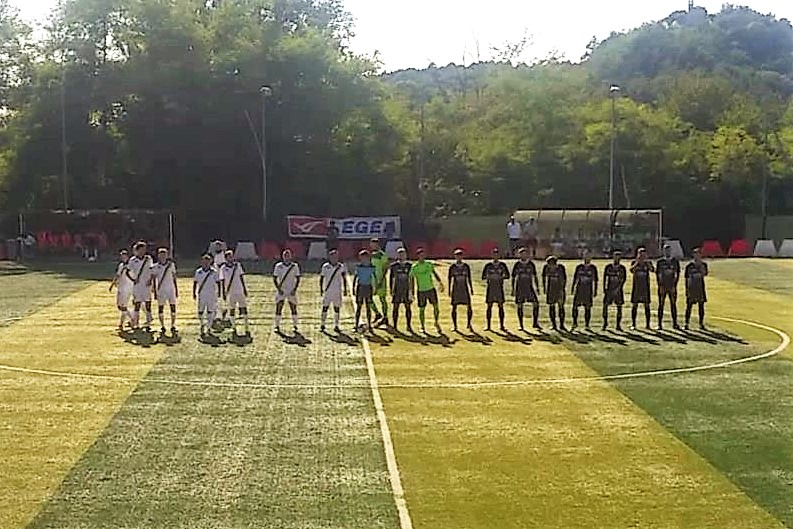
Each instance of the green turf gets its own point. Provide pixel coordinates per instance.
(203, 457)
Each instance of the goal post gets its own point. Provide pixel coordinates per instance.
(568, 232)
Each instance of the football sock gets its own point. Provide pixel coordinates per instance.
(673, 309)
(536, 314)
(605, 315)
(501, 315)
(278, 320)
(336, 316)
(295, 319)
(470, 316)
(384, 304)
(520, 314)
(552, 314)
(210, 317)
(408, 315)
(619, 316)
(489, 314)
(701, 313)
(422, 317)
(575, 316)
(454, 315)
(588, 315)
(561, 316)
(647, 314)
(437, 313)
(395, 315)
(324, 316)
(634, 312)
(233, 318)
(245, 319)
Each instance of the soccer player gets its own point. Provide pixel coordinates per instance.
(614, 277)
(218, 260)
(525, 286)
(401, 285)
(123, 285)
(363, 286)
(695, 274)
(424, 276)
(165, 288)
(554, 284)
(641, 268)
(461, 288)
(286, 278)
(668, 274)
(585, 285)
(234, 291)
(139, 272)
(380, 262)
(332, 282)
(495, 273)
(205, 292)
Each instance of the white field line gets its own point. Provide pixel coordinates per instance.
(784, 344)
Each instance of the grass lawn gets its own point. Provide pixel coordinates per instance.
(217, 436)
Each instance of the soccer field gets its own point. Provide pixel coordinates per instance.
(520, 430)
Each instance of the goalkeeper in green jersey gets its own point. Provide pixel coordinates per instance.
(424, 277)
(381, 263)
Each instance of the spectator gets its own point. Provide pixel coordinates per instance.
(531, 232)
(514, 234)
(30, 246)
(557, 243)
(332, 238)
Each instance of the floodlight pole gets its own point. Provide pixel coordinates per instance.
(64, 143)
(265, 92)
(614, 92)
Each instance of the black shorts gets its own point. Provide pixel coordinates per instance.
(614, 297)
(667, 290)
(495, 294)
(554, 296)
(400, 295)
(363, 294)
(428, 296)
(525, 294)
(583, 297)
(640, 293)
(461, 296)
(696, 295)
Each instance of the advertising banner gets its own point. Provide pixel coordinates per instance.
(305, 227)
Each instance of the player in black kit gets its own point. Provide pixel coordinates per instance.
(667, 271)
(495, 273)
(614, 277)
(401, 286)
(696, 271)
(641, 268)
(461, 288)
(554, 284)
(585, 284)
(525, 286)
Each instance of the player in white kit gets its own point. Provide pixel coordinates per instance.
(206, 285)
(235, 292)
(332, 282)
(123, 285)
(165, 288)
(286, 277)
(139, 272)
(218, 260)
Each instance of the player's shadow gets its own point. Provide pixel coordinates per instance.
(669, 337)
(694, 337)
(513, 338)
(139, 338)
(475, 337)
(723, 337)
(295, 339)
(341, 338)
(169, 341)
(378, 339)
(607, 338)
(241, 340)
(542, 336)
(439, 339)
(640, 338)
(408, 337)
(210, 340)
(576, 337)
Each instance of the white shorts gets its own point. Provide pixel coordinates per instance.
(209, 304)
(122, 297)
(141, 293)
(166, 297)
(332, 298)
(236, 299)
(283, 297)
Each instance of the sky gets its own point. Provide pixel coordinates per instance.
(415, 33)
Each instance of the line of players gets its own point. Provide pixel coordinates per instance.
(142, 279)
(420, 278)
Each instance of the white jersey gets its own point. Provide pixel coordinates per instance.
(219, 260)
(333, 277)
(165, 275)
(140, 271)
(123, 282)
(206, 281)
(231, 274)
(286, 275)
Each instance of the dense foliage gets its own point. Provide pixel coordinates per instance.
(162, 102)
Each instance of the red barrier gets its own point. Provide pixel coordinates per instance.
(486, 249)
(712, 249)
(440, 250)
(414, 246)
(298, 249)
(269, 250)
(740, 248)
(348, 250)
(468, 248)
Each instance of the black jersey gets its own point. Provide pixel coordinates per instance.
(554, 277)
(459, 276)
(586, 275)
(400, 275)
(495, 273)
(641, 271)
(614, 277)
(524, 273)
(695, 282)
(667, 271)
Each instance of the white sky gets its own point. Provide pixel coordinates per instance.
(413, 33)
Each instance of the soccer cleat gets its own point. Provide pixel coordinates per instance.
(660, 328)
(632, 328)
(295, 329)
(521, 329)
(603, 327)
(174, 331)
(702, 327)
(619, 328)
(588, 328)
(438, 328)
(488, 329)
(504, 329)
(563, 328)
(574, 327)
(424, 329)
(322, 328)
(538, 326)
(471, 329)
(278, 329)
(337, 330)
(162, 330)
(676, 327)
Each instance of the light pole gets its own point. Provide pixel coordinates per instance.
(265, 92)
(614, 92)
(64, 143)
